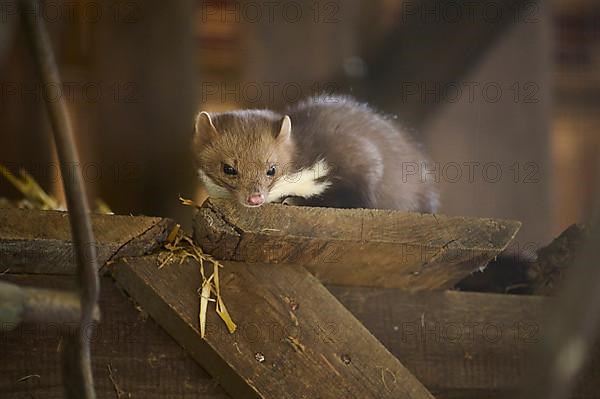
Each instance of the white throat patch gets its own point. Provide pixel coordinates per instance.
(301, 184)
(213, 189)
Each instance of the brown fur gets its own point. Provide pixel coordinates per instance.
(246, 140)
(365, 153)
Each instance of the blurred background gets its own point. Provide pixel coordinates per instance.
(503, 94)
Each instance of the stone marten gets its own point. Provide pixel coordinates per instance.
(329, 151)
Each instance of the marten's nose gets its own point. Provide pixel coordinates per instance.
(255, 199)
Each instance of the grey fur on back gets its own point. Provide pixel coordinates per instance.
(372, 162)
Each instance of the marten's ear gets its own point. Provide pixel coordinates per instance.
(285, 130)
(204, 129)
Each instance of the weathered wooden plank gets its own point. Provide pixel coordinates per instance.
(145, 361)
(40, 241)
(354, 246)
(294, 339)
(452, 354)
(460, 345)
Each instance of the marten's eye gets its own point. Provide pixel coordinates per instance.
(229, 170)
(271, 171)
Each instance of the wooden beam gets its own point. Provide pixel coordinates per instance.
(370, 247)
(144, 361)
(139, 351)
(461, 345)
(385, 248)
(40, 241)
(294, 339)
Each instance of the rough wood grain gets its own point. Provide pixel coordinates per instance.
(294, 339)
(145, 361)
(452, 355)
(460, 345)
(354, 246)
(40, 241)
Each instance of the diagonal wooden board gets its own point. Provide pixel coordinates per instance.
(294, 339)
(362, 247)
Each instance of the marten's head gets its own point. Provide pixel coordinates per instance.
(242, 154)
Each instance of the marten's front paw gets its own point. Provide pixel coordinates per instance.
(295, 201)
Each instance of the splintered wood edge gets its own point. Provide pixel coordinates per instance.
(146, 242)
(218, 236)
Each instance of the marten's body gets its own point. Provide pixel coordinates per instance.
(327, 151)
